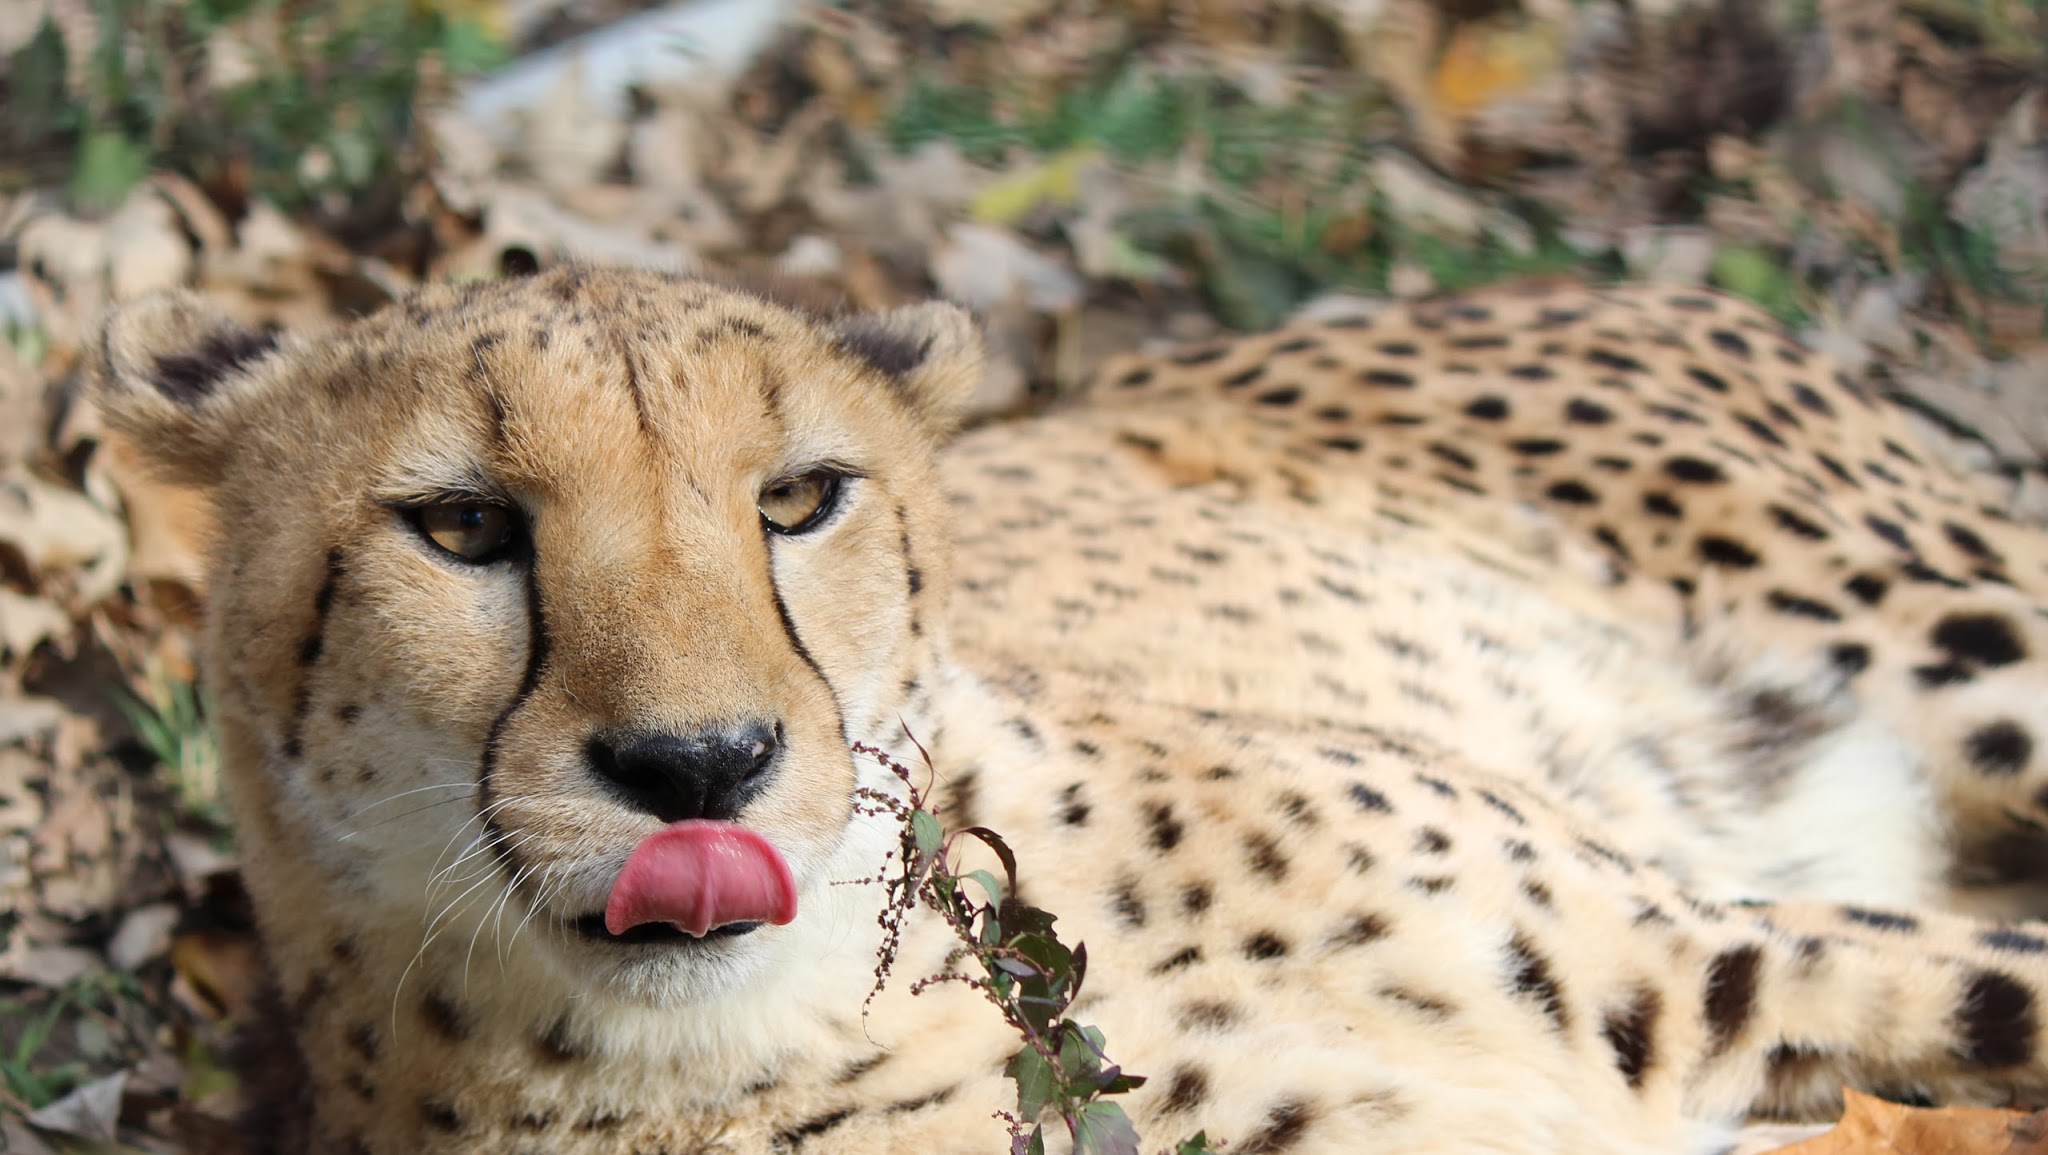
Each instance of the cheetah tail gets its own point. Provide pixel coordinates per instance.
(1918, 1008)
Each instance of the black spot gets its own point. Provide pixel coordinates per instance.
(362, 1039)
(2000, 749)
(1136, 378)
(1532, 372)
(348, 713)
(1436, 884)
(1265, 945)
(2019, 941)
(1661, 505)
(1185, 957)
(1835, 468)
(557, 1045)
(905, 1106)
(444, 1018)
(1725, 551)
(1506, 808)
(1441, 787)
(1537, 446)
(1387, 379)
(1369, 799)
(1729, 341)
(1342, 444)
(794, 1137)
(1124, 901)
(1713, 381)
(1359, 930)
(1487, 409)
(1519, 850)
(1262, 854)
(1804, 397)
(1791, 522)
(1285, 395)
(1454, 455)
(1244, 377)
(1997, 1021)
(1196, 898)
(1582, 412)
(189, 378)
(1731, 993)
(1695, 470)
(1985, 638)
(440, 1115)
(1891, 531)
(1917, 571)
(1851, 658)
(1531, 975)
(1284, 1127)
(1797, 606)
(1166, 829)
(1073, 811)
(1297, 345)
(1936, 675)
(1572, 493)
(1632, 1033)
(1760, 431)
(1867, 588)
(1430, 840)
(1202, 356)
(1969, 542)
(1620, 363)
(1186, 1090)
(1207, 1014)
(1881, 919)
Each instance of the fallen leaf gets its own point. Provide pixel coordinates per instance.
(1873, 1126)
(89, 1112)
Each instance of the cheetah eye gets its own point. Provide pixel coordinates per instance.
(474, 531)
(799, 504)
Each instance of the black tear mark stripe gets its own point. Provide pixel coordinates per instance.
(538, 644)
(310, 650)
(796, 641)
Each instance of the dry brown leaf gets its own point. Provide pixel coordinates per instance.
(1873, 1126)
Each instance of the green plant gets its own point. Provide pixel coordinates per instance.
(1029, 975)
(30, 1032)
(170, 717)
(307, 99)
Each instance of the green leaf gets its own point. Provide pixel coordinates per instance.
(1198, 1145)
(1036, 1083)
(1036, 1144)
(1103, 1129)
(988, 883)
(926, 830)
(109, 165)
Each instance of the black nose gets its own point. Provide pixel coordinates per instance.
(710, 773)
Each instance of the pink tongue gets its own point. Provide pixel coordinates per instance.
(698, 876)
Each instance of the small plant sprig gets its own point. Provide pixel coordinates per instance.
(1029, 975)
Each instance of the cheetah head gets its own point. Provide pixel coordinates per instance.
(557, 603)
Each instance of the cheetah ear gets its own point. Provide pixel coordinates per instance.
(932, 352)
(172, 375)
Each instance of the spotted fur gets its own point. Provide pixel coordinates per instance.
(1543, 722)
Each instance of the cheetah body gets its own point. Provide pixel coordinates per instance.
(1487, 725)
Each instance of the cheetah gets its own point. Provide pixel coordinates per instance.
(1536, 721)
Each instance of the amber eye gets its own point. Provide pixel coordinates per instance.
(798, 504)
(471, 530)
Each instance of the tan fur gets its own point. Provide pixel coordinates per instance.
(1399, 813)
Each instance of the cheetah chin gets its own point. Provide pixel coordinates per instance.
(1539, 721)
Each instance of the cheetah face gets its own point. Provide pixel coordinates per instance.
(555, 605)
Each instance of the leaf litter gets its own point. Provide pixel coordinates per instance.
(1091, 176)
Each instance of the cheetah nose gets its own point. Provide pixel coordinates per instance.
(711, 773)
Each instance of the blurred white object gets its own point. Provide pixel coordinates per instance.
(662, 46)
